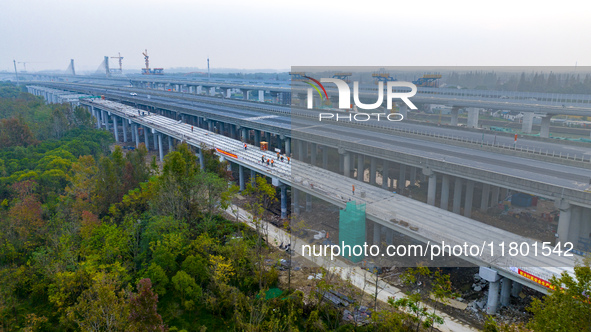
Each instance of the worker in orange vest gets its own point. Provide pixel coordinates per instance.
(288, 160)
(191, 128)
(267, 162)
(353, 190)
(244, 146)
(272, 163)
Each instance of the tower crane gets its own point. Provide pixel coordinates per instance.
(120, 61)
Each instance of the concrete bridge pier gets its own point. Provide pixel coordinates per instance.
(288, 146)
(245, 94)
(146, 138)
(413, 176)
(160, 154)
(244, 134)
(115, 129)
(360, 167)
(170, 145)
(257, 137)
(261, 96)
(545, 128)
(313, 154)
(347, 164)
(137, 135)
(385, 174)
(402, 178)
(516, 289)
(372, 170)
(253, 177)
(283, 201)
(241, 181)
(201, 159)
(473, 117)
(295, 195)
(527, 122)
(432, 188)
(493, 278)
(124, 127)
(325, 157)
(457, 203)
(494, 200)
(308, 203)
(155, 140)
(444, 191)
(485, 198)
(377, 234)
(506, 292)
(469, 196)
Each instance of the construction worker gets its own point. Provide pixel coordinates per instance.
(353, 189)
(281, 158)
(277, 155)
(244, 146)
(268, 161)
(288, 160)
(263, 159)
(272, 163)
(191, 128)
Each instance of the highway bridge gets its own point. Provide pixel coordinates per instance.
(389, 212)
(400, 157)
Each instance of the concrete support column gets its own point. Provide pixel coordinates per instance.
(137, 135)
(402, 179)
(268, 138)
(432, 189)
(146, 141)
(245, 94)
(288, 146)
(545, 129)
(473, 117)
(413, 175)
(257, 138)
(389, 236)
(313, 154)
(124, 127)
(115, 129)
(564, 219)
(296, 200)
(516, 289)
(457, 204)
(347, 164)
(325, 157)
(444, 191)
(261, 96)
(160, 154)
(155, 141)
(493, 297)
(170, 146)
(454, 115)
(485, 198)
(244, 135)
(385, 174)
(527, 122)
(308, 203)
(360, 167)
(300, 152)
(469, 196)
(376, 234)
(283, 201)
(241, 181)
(372, 170)
(495, 195)
(506, 292)
(253, 175)
(201, 159)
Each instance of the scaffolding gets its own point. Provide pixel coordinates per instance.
(352, 231)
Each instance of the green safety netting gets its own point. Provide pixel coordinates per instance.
(352, 231)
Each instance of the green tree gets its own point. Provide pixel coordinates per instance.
(186, 286)
(568, 306)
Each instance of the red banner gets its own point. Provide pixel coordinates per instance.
(226, 153)
(535, 279)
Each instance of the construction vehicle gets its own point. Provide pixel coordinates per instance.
(147, 70)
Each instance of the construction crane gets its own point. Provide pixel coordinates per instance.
(382, 76)
(428, 80)
(147, 70)
(121, 61)
(343, 76)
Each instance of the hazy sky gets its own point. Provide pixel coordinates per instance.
(278, 34)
